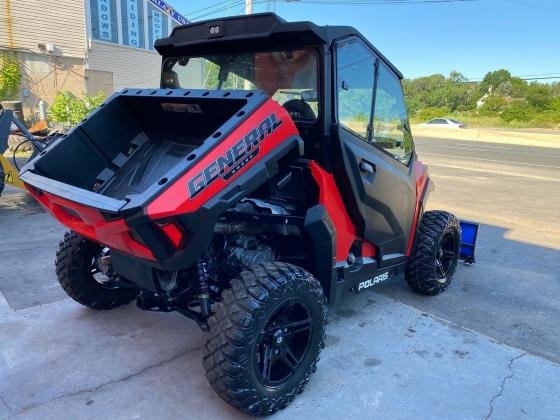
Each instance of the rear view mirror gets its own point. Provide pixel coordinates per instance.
(309, 95)
(170, 80)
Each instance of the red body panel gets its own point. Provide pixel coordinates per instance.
(176, 200)
(329, 196)
(421, 175)
(90, 223)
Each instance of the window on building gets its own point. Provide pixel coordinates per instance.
(355, 77)
(104, 20)
(157, 25)
(132, 17)
(135, 23)
(390, 120)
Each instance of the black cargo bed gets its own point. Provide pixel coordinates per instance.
(135, 143)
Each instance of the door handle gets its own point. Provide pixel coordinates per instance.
(367, 167)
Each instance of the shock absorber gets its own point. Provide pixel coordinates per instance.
(204, 296)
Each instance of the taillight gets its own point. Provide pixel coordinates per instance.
(173, 232)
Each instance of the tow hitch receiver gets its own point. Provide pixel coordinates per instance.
(469, 232)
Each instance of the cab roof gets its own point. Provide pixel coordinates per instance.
(252, 32)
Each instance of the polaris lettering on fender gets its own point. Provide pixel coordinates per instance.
(235, 158)
(373, 281)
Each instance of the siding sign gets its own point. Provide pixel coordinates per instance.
(104, 16)
(132, 20)
(136, 23)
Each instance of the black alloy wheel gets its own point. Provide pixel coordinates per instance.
(435, 254)
(283, 343)
(265, 336)
(447, 255)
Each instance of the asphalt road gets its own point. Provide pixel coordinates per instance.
(389, 353)
(512, 294)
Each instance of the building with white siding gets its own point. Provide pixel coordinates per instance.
(84, 46)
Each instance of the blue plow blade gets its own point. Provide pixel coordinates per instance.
(469, 232)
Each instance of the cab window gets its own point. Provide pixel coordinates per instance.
(289, 76)
(391, 131)
(355, 78)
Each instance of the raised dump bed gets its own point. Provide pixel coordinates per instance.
(128, 149)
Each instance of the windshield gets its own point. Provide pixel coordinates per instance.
(288, 76)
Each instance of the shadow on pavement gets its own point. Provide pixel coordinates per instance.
(511, 294)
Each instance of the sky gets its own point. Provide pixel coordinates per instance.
(472, 37)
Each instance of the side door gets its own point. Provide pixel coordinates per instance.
(376, 148)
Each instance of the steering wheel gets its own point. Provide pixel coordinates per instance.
(299, 110)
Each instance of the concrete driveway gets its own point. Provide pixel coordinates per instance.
(488, 347)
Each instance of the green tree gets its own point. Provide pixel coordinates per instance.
(554, 104)
(454, 93)
(519, 87)
(10, 77)
(538, 95)
(426, 114)
(67, 108)
(555, 89)
(504, 89)
(494, 104)
(494, 79)
(519, 111)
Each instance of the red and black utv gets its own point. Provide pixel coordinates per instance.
(272, 172)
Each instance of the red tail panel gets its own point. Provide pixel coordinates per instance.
(90, 223)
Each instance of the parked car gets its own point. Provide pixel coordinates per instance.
(444, 123)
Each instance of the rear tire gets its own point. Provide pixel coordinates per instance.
(436, 252)
(74, 264)
(265, 337)
(2, 178)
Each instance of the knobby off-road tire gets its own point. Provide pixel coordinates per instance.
(434, 258)
(74, 264)
(2, 175)
(248, 326)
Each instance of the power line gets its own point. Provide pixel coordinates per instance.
(374, 2)
(541, 78)
(227, 4)
(207, 7)
(234, 3)
(534, 6)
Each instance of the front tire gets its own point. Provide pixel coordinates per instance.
(76, 272)
(265, 337)
(436, 252)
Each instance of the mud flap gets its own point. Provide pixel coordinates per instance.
(469, 232)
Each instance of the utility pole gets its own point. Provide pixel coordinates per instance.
(248, 11)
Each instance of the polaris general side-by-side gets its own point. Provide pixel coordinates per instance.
(272, 172)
